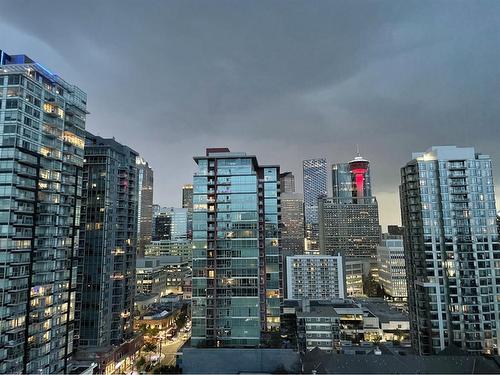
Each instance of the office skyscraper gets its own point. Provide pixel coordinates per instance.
(292, 227)
(145, 205)
(107, 253)
(187, 196)
(236, 251)
(287, 182)
(170, 223)
(42, 121)
(292, 224)
(187, 202)
(314, 188)
(349, 221)
(452, 250)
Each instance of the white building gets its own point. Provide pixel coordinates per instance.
(392, 270)
(315, 277)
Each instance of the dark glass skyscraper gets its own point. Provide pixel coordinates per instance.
(314, 188)
(42, 121)
(108, 239)
(145, 205)
(187, 203)
(237, 276)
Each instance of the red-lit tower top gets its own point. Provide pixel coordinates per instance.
(359, 168)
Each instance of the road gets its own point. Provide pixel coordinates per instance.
(169, 349)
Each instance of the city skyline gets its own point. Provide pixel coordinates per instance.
(369, 81)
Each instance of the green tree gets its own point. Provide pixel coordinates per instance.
(150, 347)
(164, 369)
(140, 362)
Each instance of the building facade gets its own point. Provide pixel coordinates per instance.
(315, 277)
(187, 202)
(108, 245)
(349, 228)
(287, 182)
(170, 223)
(237, 274)
(292, 224)
(392, 267)
(182, 248)
(42, 121)
(145, 205)
(349, 222)
(315, 188)
(451, 249)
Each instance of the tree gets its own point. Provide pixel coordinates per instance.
(164, 369)
(140, 362)
(150, 347)
(182, 317)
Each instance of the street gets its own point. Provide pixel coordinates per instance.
(170, 348)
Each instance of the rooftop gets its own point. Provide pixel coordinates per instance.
(330, 363)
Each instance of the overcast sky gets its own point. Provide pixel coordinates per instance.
(284, 80)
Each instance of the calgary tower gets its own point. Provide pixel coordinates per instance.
(359, 168)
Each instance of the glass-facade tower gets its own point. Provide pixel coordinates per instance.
(315, 176)
(237, 275)
(145, 205)
(42, 121)
(452, 250)
(108, 245)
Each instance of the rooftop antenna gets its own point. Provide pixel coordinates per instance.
(357, 150)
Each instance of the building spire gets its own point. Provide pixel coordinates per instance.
(357, 150)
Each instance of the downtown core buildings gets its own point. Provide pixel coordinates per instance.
(315, 176)
(42, 120)
(237, 264)
(452, 250)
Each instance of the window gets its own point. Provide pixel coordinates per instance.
(11, 103)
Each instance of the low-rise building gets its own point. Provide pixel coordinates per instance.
(151, 276)
(160, 275)
(327, 325)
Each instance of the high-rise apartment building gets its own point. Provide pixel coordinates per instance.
(391, 267)
(452, 250)
(315, 277)
(314, 189)
(108, 240)
(236, 250)
(287, 182)
(42, 121)
(145, 205)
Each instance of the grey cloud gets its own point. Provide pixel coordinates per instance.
(296, 79)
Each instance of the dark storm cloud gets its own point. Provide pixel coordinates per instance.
(284, 80)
